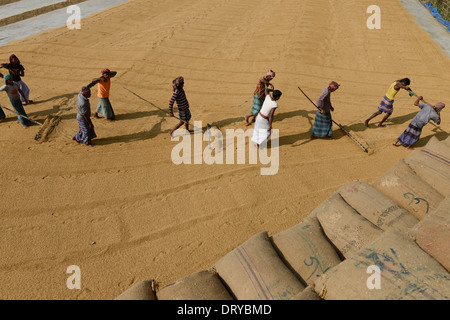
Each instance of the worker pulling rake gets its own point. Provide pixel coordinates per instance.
(165, 111)
(208, 127)
(22, 116)
(339, 125)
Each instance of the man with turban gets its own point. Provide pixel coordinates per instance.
(323, 123)
(412, 134)
(86, 128)
(179, 96)
(104, 105)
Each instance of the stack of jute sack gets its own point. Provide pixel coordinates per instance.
(396, 229)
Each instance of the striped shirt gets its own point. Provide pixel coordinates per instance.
(180, 97)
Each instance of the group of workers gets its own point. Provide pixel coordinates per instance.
(265, 103)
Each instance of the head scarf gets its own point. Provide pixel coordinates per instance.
(177, 81)
(271, 73)
(12, 57)
(7, 77)
(334, 84)
(439, 106)
(85, 91)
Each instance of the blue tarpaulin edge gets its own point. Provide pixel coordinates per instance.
(437, 15)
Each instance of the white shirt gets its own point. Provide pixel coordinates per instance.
(268, 105)
(12, 91)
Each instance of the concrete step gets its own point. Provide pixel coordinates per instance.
(27, 9)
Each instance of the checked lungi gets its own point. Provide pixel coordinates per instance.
(411, 135)
(18, 106)
(85, 134)
(386, 105)
(185, 114)
(323, 125)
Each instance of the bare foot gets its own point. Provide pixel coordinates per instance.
(111, 120)
(313, 137)
(395, 143)
(409, 148)
(381, 125)
(96, 116)
(246, 119)
(366, 123)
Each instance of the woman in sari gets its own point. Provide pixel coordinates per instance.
(17, 72)
(259, 96)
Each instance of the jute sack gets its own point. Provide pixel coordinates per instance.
(392, 267)
(447, 142)
(376, 207)
(433, 167)
(204, 285)
(345, 228)
(432, 234)
(140, 291)
(403, 186)
(254, 271)
(433, 170)
(436, 146)
(306, 249)
(307, 294)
